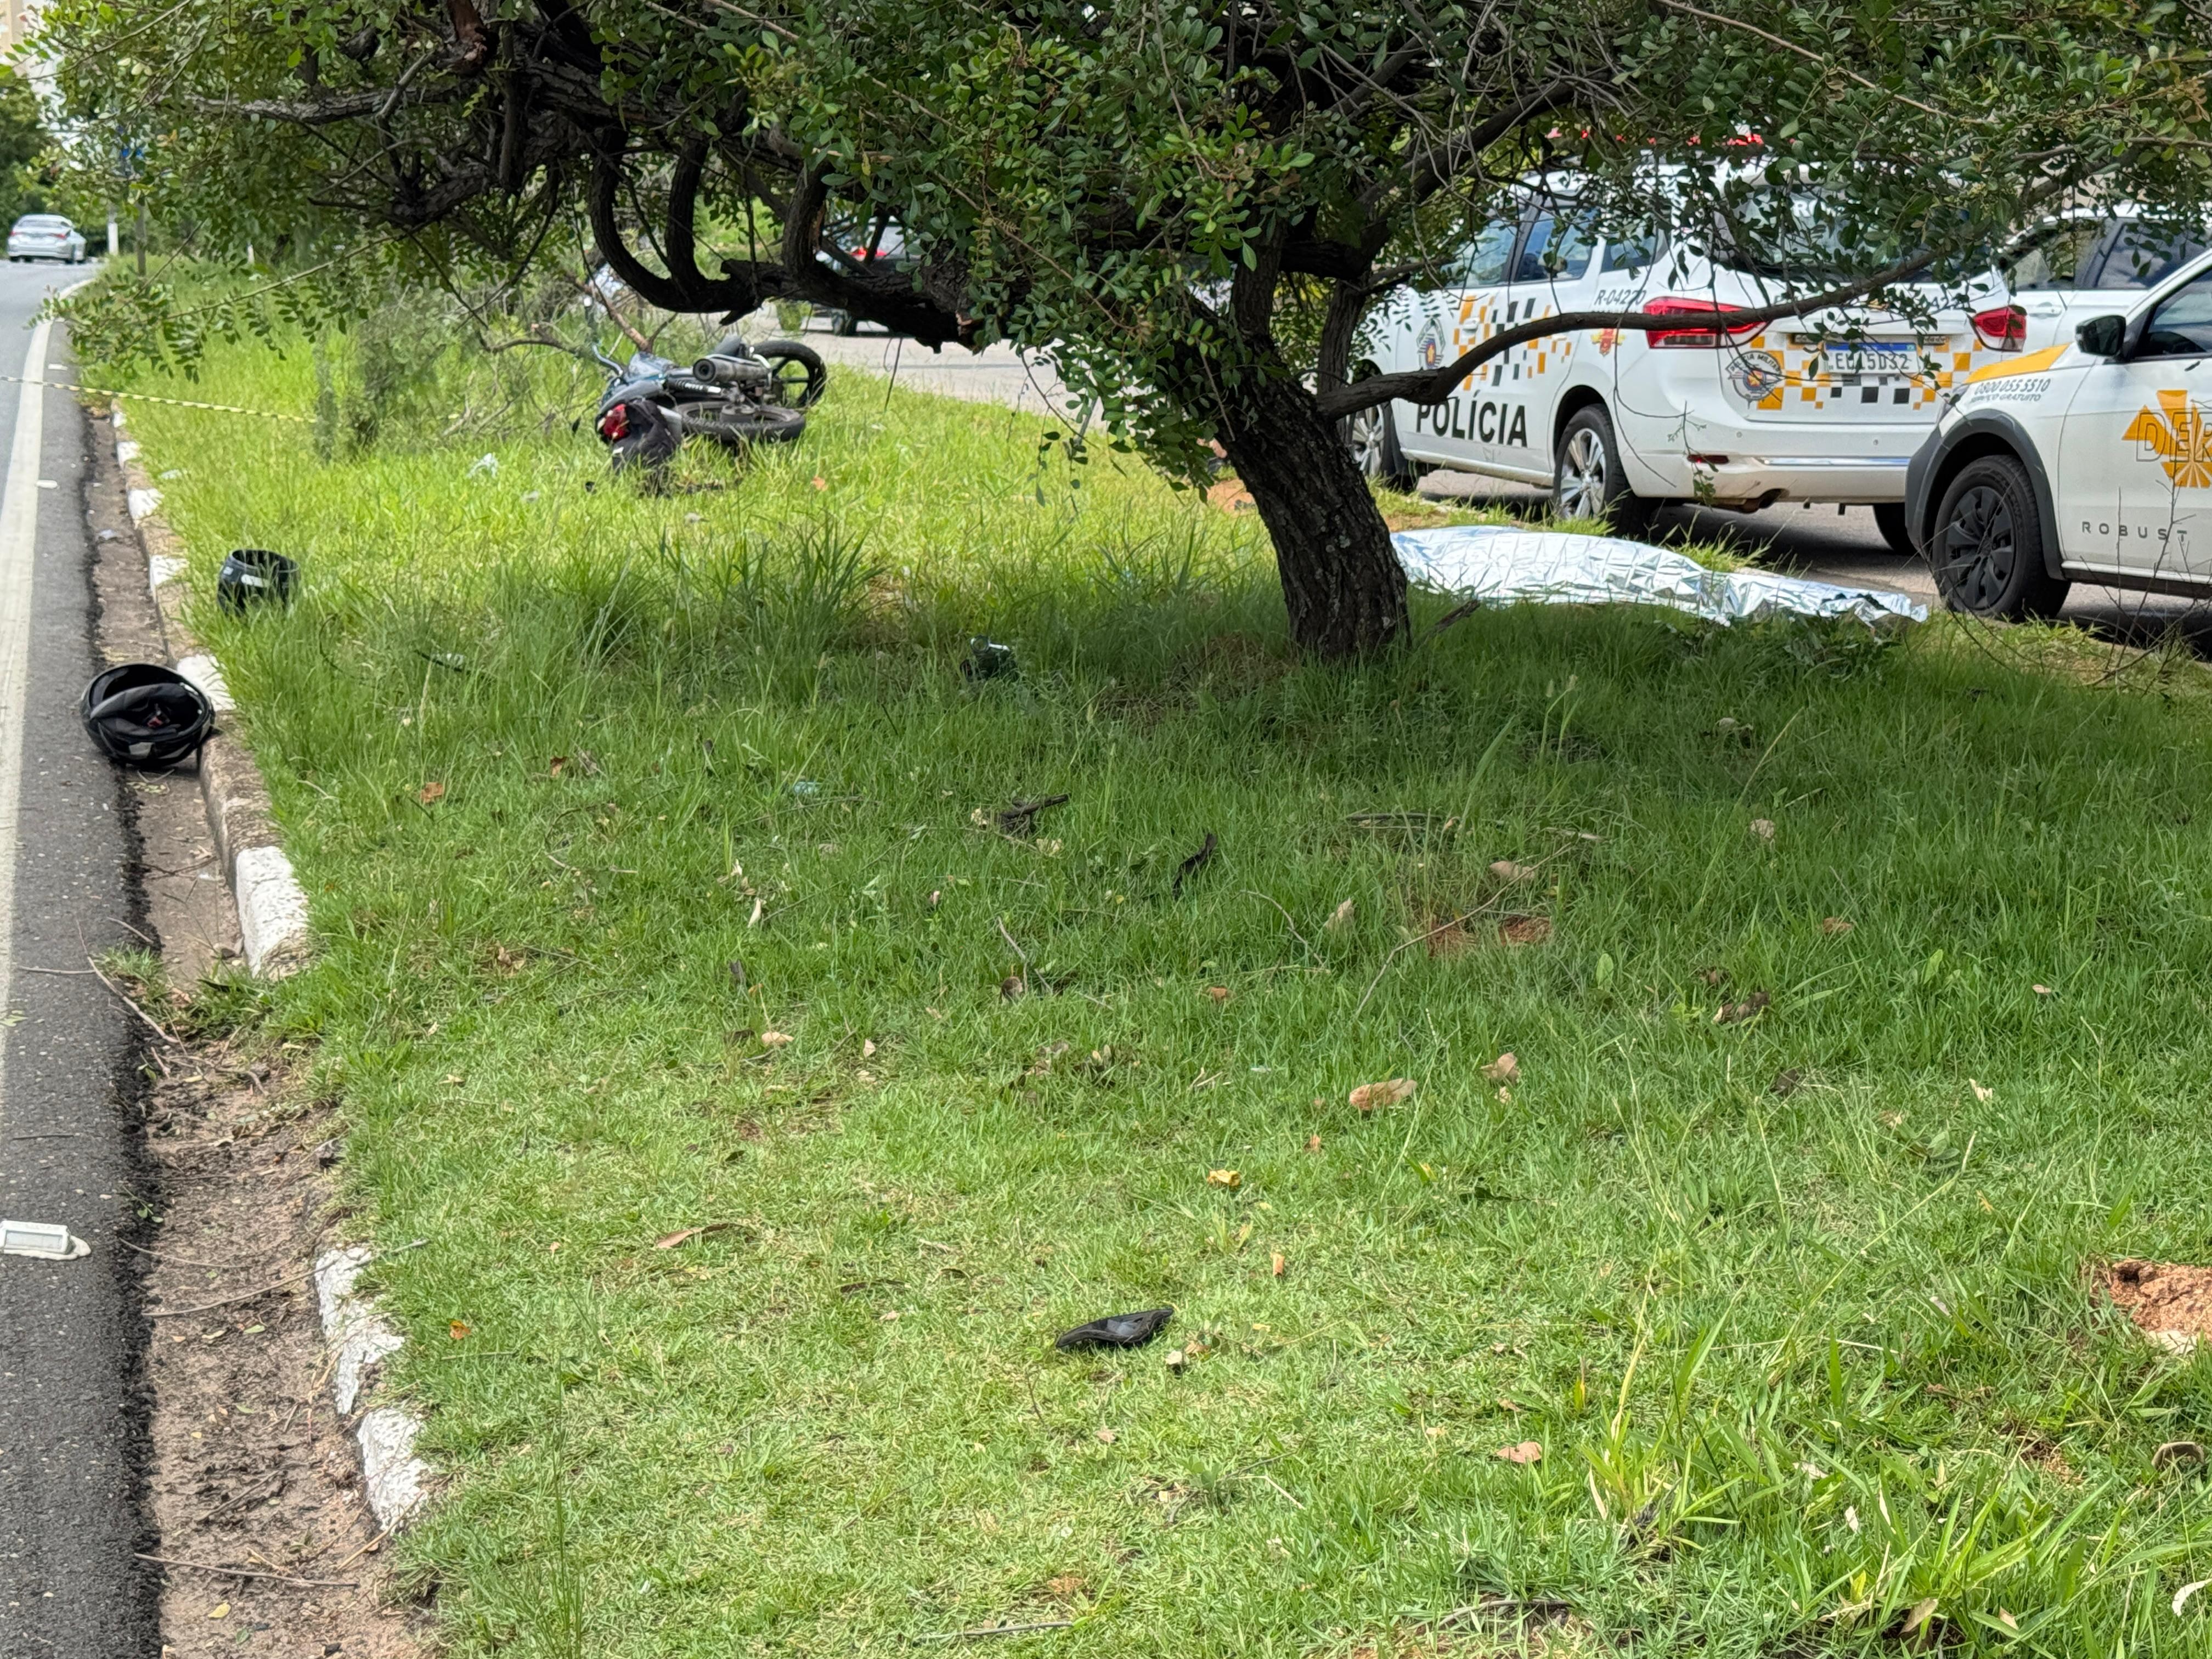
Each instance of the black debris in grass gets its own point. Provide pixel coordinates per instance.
(1128, 1330)
(1191, 866)
(1020, 817)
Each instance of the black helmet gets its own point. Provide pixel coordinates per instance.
(146, 715)
(251, 574)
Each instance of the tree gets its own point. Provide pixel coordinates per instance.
(1140, 187)
(22, 145)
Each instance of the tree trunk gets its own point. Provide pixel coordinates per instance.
(1342, 583)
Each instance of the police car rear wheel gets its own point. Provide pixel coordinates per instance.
(1986, 551)
(1586, 480)
(1372, 437)
(1889, 519)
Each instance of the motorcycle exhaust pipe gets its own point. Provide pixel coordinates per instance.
(717, 369)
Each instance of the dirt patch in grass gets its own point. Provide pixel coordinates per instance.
(253, 1467)
(1229, 496)
(2171, 1302)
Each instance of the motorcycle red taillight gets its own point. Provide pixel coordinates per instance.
(1710, 335)
(2001, 328)
(615, 423)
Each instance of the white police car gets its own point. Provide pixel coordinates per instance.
(2088, 460)
(1827, 408)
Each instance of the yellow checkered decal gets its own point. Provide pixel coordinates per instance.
(1804, 361)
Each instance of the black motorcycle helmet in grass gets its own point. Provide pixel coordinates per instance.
(254, 575)
(143, 714)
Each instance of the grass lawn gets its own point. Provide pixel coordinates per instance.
(651, 842)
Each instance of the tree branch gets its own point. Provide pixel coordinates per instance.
(1810, 56)
(1432, 386)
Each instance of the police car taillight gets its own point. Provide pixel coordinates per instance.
(2001, 328)
(1709, 335)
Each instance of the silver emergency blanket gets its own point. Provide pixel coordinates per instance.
(1499, 563)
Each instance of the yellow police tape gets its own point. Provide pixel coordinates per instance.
(178, 403)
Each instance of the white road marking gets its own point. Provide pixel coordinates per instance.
(19, 548)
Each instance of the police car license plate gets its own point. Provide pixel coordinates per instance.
(1872, 357)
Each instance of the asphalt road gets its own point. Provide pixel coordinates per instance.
(70, 1415)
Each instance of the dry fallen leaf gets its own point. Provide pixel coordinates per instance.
(1313, 1143)
(1735, 1013)
(221, 1610)
(821, 483)
(430, 792)
(1891, 1119)
(1107, 1436)
(774, 1039)
(1277, 1263)
(936, 897)
(1229, 1178)
(1368, 1096)
(1506, 870)
(1011, 986)
(457, 1328)
(1763, 828)
(1923, 1611)
(2043, 990)
(1340, 919)
(867, 1048)
(2181, 1596)
(1527, 1452)
(1175, 1359)
(1218, 993)
(559, 761)
(1980, 1093)
(1526, 930)
(669, 1241)
(1503, 1069)
(1833, 926)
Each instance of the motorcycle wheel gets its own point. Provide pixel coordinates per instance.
(740, 425)
(799, 376)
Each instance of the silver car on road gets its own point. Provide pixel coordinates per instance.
(46, 236)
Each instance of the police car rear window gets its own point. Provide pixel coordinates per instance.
(2139, 255)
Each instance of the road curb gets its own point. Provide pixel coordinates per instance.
(272, 907)
(273, 926)
(359, 1339)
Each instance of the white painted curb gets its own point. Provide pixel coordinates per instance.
(272, 906)
(361, 1338)
(204, 671)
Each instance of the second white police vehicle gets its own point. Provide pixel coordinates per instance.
(2089, 459)
(1824, 408)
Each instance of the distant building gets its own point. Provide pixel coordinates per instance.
(16, 17)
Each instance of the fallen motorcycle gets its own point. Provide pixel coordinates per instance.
(738, 394)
